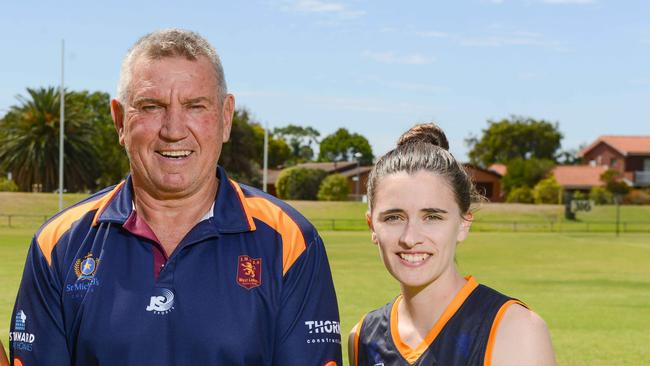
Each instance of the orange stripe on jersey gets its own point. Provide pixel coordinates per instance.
(331, 363)
(493, 331)
(293, 243)
(412, 355)
(17, 362)
(357, 334)
(53, 231)
(242, 199)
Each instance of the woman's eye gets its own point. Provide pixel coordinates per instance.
(391, 218)
(432, 218)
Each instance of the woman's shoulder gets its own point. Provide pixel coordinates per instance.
(522, 338)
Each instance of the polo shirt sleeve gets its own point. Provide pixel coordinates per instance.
(308, 324)
(37, 335)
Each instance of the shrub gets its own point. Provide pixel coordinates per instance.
(579, 196)
(334, 188)
(299, 183)
(520, 195)
(548, 191)
(7, 185)
(637, 197)
(601, 196)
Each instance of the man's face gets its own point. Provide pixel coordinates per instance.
(173, 125)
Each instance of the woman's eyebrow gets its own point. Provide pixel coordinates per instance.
(391, 211)
(433, 210)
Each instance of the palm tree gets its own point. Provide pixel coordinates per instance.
(29, 141)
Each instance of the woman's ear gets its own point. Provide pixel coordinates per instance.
(373, 236)
(466, 223)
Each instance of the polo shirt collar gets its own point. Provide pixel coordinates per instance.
(228, 215)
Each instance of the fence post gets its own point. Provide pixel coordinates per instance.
(333, 224)
(514, 226)
(551, 222)
(9, 220)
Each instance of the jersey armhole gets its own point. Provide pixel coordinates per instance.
(357, 334)
(495, 326)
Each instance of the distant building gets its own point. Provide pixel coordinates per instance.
(578, 177)
(487, 181)
(629, 155)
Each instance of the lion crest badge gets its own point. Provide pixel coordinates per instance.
(249, 272)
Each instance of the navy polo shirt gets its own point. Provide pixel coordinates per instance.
(250, 285)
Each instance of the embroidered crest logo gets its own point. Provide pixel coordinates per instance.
(86, 267)
(249, 272)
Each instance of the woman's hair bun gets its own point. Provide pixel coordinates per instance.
(428, 133)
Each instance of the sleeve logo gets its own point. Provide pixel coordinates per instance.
(249, 272)
(21, 339)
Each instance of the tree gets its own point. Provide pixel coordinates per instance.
(240, 156)
(516, 137)
(525, 173)
(300, 140)
(334, 188)
(548, 191)
(600, 195)
(299, 183)
(520, 195)
(342, 145)
(279, 152)
(113, 161)
(29, 140)
(614, 183)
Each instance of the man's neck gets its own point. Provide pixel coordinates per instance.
(171, 219)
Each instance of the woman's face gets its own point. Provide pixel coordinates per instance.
(416, 223)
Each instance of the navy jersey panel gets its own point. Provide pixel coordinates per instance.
(462, 341)
(225, 296)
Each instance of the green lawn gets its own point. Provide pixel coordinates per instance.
(592, 289)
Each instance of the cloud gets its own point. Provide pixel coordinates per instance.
(392, 58)
(324, 7)
(418, 87)
(519, 38)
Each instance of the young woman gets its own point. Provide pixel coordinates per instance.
(419, 200)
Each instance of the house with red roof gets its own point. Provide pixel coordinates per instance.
(630, 155)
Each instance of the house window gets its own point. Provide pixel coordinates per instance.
(612, 163)
(646, 165)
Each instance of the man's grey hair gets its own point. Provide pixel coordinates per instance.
(170, 43)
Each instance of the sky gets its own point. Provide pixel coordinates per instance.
(373, 67)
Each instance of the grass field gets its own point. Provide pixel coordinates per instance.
(592, 289)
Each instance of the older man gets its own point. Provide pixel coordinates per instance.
(177, 265)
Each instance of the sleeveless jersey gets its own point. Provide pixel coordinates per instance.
(463, 336)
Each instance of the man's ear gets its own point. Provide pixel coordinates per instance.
(466, 223)
(227, 112)
(373, 235)
(117, 112)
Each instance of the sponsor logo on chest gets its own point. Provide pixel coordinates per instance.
(162, 302)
